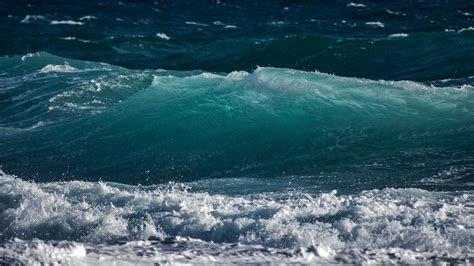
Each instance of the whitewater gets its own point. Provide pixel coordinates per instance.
(82, 222)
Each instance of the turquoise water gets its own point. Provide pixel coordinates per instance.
(290, 132)
(100, 122)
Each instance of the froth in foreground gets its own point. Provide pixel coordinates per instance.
(84, 222)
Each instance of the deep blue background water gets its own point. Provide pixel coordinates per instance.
(224, 36)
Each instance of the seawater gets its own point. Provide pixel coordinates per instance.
(236, 132)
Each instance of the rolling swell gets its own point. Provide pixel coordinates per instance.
(98, 121)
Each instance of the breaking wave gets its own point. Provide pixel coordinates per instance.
(414, 223)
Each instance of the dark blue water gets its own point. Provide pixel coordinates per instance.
(300, 131)
(330, 36)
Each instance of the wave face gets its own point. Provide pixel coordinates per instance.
(142, 127)
(165, 222)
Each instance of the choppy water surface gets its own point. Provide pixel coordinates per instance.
(237, 132)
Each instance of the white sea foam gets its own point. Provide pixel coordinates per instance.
(467, 14)
(72, 38)
(237, 75)
(196, 23)
(179, 250)
(276, 23)
(30, 55)
(66, 22)
(448, 175)
(395, 13)
(220, 23)
(386, 225)
(375, 24)
(398, 35)
(32, 18)
(466, 29)
(66, 68)
(87, 18)
(93, 96)
(356, 5)
(163, 36)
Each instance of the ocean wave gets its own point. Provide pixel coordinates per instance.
(407, 221)
(272, 122)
